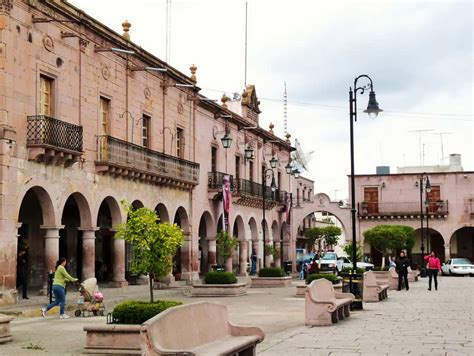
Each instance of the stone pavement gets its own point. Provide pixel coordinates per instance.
(415, 322)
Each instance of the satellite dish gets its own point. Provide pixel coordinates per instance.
(302, 159)
(236, 96)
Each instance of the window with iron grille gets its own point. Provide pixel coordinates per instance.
(46, 96)
(146, 131)
(237, 167)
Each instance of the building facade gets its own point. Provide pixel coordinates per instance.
(88, 119)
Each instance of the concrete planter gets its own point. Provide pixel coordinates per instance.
(219, 290)
(301, 289)
(5, 334)
(112, 339)
(270, 282)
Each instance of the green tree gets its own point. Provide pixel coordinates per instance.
(390, 237)
(327, 234)
(153, 244)
(225, 245)
(348, 250)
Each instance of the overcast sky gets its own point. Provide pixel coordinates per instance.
(418, 53)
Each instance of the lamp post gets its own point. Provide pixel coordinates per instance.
(273, 164)
(373, 110)
(424, 178)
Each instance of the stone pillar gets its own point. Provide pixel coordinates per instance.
(286, 252)
(212, 252)
(188, 260)
(276, 244)
(269, 257)
(118, 279)
(88, 253)
(256, 248)
(51, 250)
(447, 252)
(243, 257)
(228, 264)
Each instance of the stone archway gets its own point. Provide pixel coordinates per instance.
(240, 257)
(206, 244)
(182, 259)
(162, 212)
(277, 242)
(256, 250)
(462, 243)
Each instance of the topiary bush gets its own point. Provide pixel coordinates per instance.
(137, 312)
(220, 278)
(349, 269)
(330, 277)
(271, 272)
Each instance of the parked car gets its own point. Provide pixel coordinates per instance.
(347, 263)
(460, 266)
(330, 262)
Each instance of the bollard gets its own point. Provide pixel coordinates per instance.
(50, 285)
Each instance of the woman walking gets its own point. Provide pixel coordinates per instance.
(433, 266)
(59, 289)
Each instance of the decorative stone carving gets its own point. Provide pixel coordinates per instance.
(193, 69)
(180, 108)
(126, 27)
(249, 98)
(6, 6)
(83, 44)
(147, 93)
(48, 43)
(105, 73)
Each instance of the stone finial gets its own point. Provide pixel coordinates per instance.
(224, 100)
(126, 27)
(271, 127)
(193, 69)
(288, 138)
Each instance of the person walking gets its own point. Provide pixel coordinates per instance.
(59, 289)
(433, 265)
(402, 263)
(22, 273)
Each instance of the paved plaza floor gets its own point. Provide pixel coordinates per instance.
(417, 322)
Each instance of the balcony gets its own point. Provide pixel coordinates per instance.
(216, 179)
(249, 193)
(120, 158)
(53, 141)
(401, 210)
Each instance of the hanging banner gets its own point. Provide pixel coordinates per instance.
(226, 196)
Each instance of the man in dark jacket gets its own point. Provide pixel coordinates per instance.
(402, 269)
(22, 273)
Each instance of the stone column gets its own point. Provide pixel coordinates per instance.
(256, 248)
(243, 257)
(447, 251)
(276, 244)
(212, 252)
(188, 260)
(51, 250)
(118, 279)
(88, 252)
(269, 257)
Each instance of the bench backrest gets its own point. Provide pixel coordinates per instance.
(369, 278)
(188, 326)
(321, 289)
(392, 272)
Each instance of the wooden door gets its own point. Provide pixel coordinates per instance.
(434, 199)
(371, 198)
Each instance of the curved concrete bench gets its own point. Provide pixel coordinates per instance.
(198, 329)
(373, 291)
(5, 334)
(324, 306)
(413, 275)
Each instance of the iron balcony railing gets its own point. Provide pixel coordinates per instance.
(216, 179)
(125, 154)
(48, 131)
(440, 207)
(254, 189)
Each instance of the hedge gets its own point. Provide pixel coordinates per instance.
(220, 278)
(330, 277)
(137, 312)
(271, 272)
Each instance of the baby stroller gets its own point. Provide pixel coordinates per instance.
(91, 301)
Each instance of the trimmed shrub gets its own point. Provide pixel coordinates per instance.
(349, 269)
(378, 268)
(137, 312)
(220, 278)
(271, 272)
(330, 277)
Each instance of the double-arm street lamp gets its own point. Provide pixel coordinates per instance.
(373, 110)
(427, 188)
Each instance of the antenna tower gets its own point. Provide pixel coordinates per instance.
(168, 30)
(285, 111)
(442, 148)
(421, 147)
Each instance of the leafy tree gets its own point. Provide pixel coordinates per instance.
(271, 250)
(225, 244)
(153, 244)
(328, 234)
(390, 237)
(348, 250)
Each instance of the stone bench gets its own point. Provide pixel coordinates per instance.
(373, 291)
(5, 333)
(324, 306)
(198, 329)
(413, 275)
(389, 277)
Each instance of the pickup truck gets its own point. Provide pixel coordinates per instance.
(334, 263)
(347, 263)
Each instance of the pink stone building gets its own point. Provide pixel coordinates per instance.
(88, 118)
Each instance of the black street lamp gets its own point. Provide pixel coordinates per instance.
(424, 178)
(373, 110)
(273, 186)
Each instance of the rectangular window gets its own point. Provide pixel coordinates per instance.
(237, 167)
(179, 142)
(434, 199)
(104, 116)
(146, 130)
(251, 171)
(279, 180)
(371, 198)
(46, 94)
(213, 159)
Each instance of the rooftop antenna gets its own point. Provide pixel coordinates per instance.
(285, 111)
(245, 65)
(419, 133)
(168, 30)
(442, 148)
